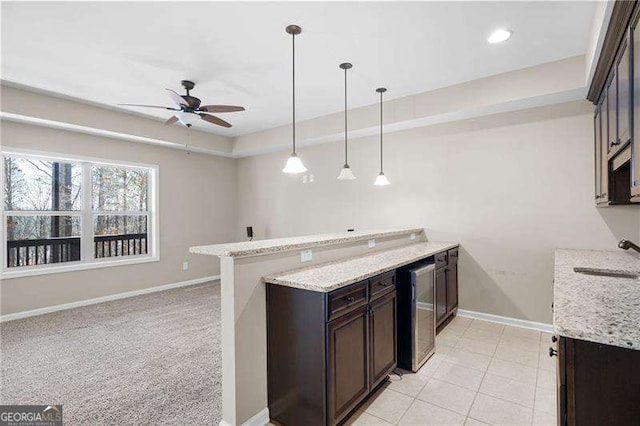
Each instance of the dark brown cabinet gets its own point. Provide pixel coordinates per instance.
(597, 130)
(328, 351)
(446, 286)
(623, 73)
(598, 384)
(441, 295)
(348, 339)
(612, 112)
(634, 41)
(383, 337)
(614, 91)
(452, 287)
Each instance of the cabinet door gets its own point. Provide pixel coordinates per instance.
(624, 94)
(441, 294)
(597, 140)
(452, 287)
(382, 337)
(635, 149)
(604, 150)
(348, 366)
(612, 112)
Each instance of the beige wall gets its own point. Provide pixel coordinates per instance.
(543, 84)
(30, 104)
(510, 188)
(197, 196)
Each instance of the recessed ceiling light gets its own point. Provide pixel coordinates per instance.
(498, 36)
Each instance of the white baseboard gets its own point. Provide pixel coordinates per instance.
(515, 322)
(55, 308)
(260, 419)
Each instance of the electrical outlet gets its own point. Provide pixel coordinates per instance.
(310, 178)
(304, 178)
(306, 255)
(372, 243)
(413, 236)
(185, 266)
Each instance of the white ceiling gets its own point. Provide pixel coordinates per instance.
(238, 52)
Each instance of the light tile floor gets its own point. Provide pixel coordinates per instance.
(482, 373)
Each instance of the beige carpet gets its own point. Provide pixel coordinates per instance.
(152, 359)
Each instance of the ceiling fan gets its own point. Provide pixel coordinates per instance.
(190, 110)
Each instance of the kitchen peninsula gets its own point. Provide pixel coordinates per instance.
(596, 316)
(336, 261)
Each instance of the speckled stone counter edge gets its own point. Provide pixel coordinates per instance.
(596, 308)
(341, 273)
(260, 247)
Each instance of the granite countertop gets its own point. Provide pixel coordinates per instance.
(333, 275)
(597, 308)
(253, 248)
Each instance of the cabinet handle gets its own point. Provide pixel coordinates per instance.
(553, 352)
(554, 338)
(349, 299)
(616, 142)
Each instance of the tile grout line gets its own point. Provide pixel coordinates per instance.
(483, 376)
(484, 373)
(425, 385)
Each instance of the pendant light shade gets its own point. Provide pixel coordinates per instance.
(345, 173)
(294, 163)
(381, 180)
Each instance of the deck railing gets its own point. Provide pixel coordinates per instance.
(67, 249)
(119, 245)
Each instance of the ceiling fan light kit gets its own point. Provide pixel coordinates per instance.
(187, 118)
(189, 110)
(294, 163)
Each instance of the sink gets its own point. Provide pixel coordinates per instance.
(607, 273)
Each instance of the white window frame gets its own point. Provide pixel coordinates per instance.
(87, 214)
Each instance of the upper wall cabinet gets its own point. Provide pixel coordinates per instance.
(598, 135)
(635, 148)
(616, 121)
(623, 72)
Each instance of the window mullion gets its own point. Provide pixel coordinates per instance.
(86, 242)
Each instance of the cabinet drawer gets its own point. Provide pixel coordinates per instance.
(441, 259)
(453, 256)
(382, 284)
(347, 299)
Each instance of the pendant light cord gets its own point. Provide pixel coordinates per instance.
(346, 161)
(293, 36)
(380, 132)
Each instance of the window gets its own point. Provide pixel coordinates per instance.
(62, 213)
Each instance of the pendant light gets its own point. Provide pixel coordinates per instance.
(294, 164)
(381, 180)
(345, 173)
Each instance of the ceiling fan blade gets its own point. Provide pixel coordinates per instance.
(171, 120)
(214, 120)
(221, 108)
(175, 97)
(149, 106)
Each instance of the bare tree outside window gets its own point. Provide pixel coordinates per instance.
(43, 210)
